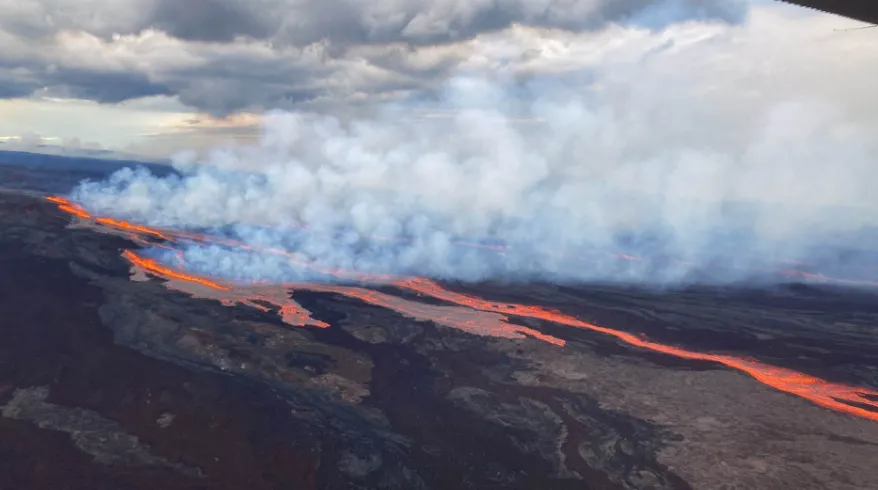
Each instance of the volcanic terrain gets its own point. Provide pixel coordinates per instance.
(117, 371)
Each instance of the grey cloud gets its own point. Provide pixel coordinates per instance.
(35, 19)
(111, 86)
(8, 91)
(212, 90)
(397, 59)
(261, 54)
(106, 87)
(345, 22)
(212, 20)
(13, 85)
(229, 82)
(425, 22)
(220, 97)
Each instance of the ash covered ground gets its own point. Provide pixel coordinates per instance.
(110, 377)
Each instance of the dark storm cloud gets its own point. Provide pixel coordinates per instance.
(231, 82)
(425, 22)
(13, 90)
(302, 22)
(211, 20)
(220, 97)
(23, 77)
(221, 56)
(106, 87)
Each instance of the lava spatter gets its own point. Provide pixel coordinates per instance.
(471, 314)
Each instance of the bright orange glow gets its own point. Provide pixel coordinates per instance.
(77, 211)
(466, 319)
(124, 225)
(823, 393)
(254, 296)
(68, 207)
(295, 315)
(471, 314)
(57, 200)
(154, 267)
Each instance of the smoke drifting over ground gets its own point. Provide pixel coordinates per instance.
(700, 147)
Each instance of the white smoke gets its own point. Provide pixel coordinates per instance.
(698, 146)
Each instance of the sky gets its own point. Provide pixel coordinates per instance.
(154, 77)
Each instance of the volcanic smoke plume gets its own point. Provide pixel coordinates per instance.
(698, 152)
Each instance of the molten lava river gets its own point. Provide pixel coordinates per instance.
(462, 311)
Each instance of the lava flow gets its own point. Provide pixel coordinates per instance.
(469, 313)
(830, 395)
(256, 295)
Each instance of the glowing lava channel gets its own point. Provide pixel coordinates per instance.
(823, 393)
(471, 314)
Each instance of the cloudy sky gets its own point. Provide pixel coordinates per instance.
(154, 76)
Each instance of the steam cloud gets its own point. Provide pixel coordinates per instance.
(701, 147)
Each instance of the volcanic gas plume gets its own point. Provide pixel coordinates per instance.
(465, 312)
(700, 152)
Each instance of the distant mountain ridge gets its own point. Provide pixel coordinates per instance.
(73, 151)
(59, 174)
(89, 160)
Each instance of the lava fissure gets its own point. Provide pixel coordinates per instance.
(465, 312)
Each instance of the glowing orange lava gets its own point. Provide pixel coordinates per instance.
(69, 207)
(472, 314)
(466, 319)
(124, 225)
(156, 268)
(823, 393)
